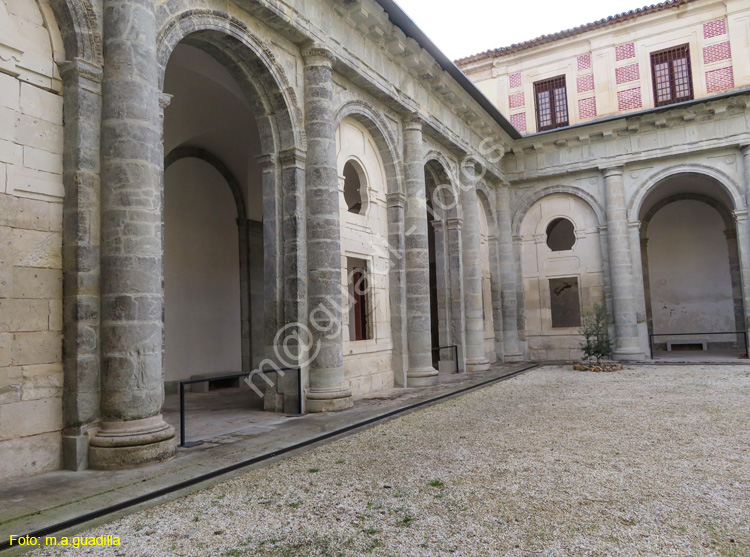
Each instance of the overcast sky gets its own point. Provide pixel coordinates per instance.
(464, 27)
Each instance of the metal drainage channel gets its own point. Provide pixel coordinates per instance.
(255, 460)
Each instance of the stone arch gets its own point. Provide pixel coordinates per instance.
(252, 64)
(728, 185)
(438, 165)
(536, 195)
(722, 209)
(191, 151)
(366, 115)
(80, 26)
(485, 196)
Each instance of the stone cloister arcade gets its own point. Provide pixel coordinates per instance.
(228, 169)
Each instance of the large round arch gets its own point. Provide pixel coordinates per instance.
(252, 64)
(690, 261)
(446, 266)
(727, 190)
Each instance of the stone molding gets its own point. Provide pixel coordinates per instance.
(318, 54)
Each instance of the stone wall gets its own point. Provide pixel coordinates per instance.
(367, 363)
(31, 191)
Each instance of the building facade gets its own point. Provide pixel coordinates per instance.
(190, 188)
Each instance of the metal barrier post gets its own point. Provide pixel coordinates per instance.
(182, 414)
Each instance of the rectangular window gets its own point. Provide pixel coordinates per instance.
(551, 103)
(673, 79)
(565, 303)
(358, 288)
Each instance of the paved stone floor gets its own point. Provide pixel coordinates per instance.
(652, 460)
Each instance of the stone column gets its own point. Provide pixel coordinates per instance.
(497, 297)
(634, 239)
(421, 371)
(475, 356)
(457, 324)
(506, 253)
(329, 390)
(743, 245)
(132, 430)
(743, 237)
(397, 289)
(81, 244)
(623, 295)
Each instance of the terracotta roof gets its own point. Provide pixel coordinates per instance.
(544, 39)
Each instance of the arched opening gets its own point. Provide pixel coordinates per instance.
(355, 187)
(561, 235)
(443, 234)
(364, 258)
(213, 232)
(560, 285)
(691, 277)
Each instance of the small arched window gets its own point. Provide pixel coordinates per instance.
(561, 235)
(355, 188)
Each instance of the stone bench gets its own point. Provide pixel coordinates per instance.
(206, 386)
(685, 342)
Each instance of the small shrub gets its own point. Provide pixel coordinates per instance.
(595, 331)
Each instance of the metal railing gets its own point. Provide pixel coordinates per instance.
(455, 352)
(651, 338)
(226, 377)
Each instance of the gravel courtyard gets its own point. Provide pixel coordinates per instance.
(647, 461)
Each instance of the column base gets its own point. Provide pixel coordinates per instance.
(75, 452)
(477, 364)
(126, 444)
(628, 354)
(517, 357)
(329, 400)
(422, 377)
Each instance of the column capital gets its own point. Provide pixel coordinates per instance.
(634, 225)
(437, 224)
(414, 122)
(455, 223)
(396, 200)
(611, 171)
(317, 54)
(165, 99)
(82, 73)
(740, 215)
(266, 161)
(292, 157)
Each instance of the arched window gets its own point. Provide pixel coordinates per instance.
(355, 188)
(561, 235)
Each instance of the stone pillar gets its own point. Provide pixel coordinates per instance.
(457, 325)
(623, 295)
(475, 356)
(506, 253)
(634, 239)
(132, 430)
(329, 390)
(743, 237)
(397, 286)
(421, 371)
(497, 297)
(743, 245)
(81, 244)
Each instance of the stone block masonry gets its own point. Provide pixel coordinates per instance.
(31, 146)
